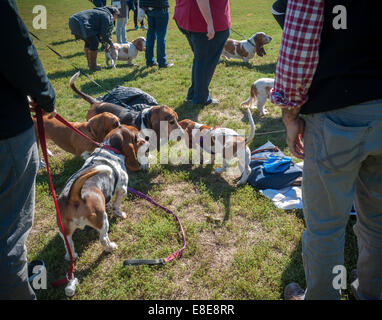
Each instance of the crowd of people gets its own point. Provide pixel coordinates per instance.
(327, 84)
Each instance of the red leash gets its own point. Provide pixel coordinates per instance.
(41, 134)
(69, 125)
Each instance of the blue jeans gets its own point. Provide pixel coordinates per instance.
(206, 57)
(19, 164)
(120, 30)
(99, 3)
(343, 162)
(157, 20)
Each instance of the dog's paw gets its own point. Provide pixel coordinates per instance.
(118, 213)
(74, 255)
(111, 247)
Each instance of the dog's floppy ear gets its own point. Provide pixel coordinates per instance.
(261, 52)
(138, 43)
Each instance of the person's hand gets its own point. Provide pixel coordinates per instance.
(210, 31)
(33, 105)
(295, 127)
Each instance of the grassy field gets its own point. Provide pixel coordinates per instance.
(249, 250)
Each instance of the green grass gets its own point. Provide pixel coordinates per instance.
(239, 246)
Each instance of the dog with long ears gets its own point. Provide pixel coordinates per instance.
(231, 144)
(149, 118)
(124, 52)
(95, 128)
(246, 49)
(85, 196)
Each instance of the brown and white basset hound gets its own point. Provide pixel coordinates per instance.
(231, 144)
(149, 118)
(95, 128)
(124, 52)
(246, 49)
(83, 200)
(259, 93)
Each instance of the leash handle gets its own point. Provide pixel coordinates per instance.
(174, 255)
(41, 134)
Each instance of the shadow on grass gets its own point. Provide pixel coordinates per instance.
(55, 43)
(187, 110)
(216, 186)
(261, 68)
(295, 270)
(110, 83)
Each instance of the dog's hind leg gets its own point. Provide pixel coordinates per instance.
(103, 236)
(116, 207)
(245, 169)
(71, 244)
(260, 105)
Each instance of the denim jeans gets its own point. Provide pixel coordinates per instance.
(206, 57)
(99, 3)
(157, 21)
(19, 164)
(120, 30)
(343, 163)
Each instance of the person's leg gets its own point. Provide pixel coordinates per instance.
(198, 92)
(333, 157)
(19, 162)
(206, 56)
(150, 38)
(92, 44)
(161, 31)
(214, 52)
(368, 205)
(118, 30)
(136, 17)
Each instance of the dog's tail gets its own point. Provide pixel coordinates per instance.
(253, 128)
(81, 94)
(75, 190)
(252, 97)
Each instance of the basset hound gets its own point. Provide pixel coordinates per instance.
(95, 128)
(83, 200)
(246, 49)
(232, 145)
(148, 118)
(259, 93)
(124, 52)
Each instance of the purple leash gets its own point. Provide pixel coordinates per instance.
(174, 255)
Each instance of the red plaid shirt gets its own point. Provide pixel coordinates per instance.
(299, 52)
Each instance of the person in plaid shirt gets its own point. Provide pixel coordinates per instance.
(330, 71)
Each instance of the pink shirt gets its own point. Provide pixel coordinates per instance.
(188, 16)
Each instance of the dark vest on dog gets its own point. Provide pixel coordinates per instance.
(133, 101)
(350, 64)
(106, 184)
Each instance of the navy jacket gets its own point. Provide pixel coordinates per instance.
(21, 74)
(95, 22)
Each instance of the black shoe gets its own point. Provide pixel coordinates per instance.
(152, 65)
(168, 65)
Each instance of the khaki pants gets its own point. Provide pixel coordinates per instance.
(343, 163)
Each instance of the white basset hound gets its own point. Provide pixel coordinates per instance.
(124, 52)
(231, 144)
(246, 49)
(259, 93)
